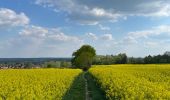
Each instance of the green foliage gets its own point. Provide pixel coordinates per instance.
(110, 59)
(57, 64)
(159, 59)
(132, 60)
(83, 57)
(121, 59)
(65, 64)
(29, 65)
(52, 64)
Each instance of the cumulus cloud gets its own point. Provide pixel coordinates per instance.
(94, 12)
(47, 34)
(154, 31)
(102, 37)
(129, 40)
(147, 38)
(154, 8)
(151, 44)
(92, 36)
(34, 31)
(93, 16)
(104, 27)
(131, 7)
(107, 37)
(81, 13)
(9, 17)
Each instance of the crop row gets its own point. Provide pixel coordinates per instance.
(37, 84)
(133, 82)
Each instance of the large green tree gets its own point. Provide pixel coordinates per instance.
(83, 57)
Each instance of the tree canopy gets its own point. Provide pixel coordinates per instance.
(83, 57)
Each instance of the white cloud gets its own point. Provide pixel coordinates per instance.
(47, 34)
(154, 9)
(94, 12)
(9, 17)
(104, 27)
(129, 40)
(92, 36)
(93, 16)
(62, 37)
(154, 31)
(100, 12)
(139, 34)
(83, 14)
(107, 37)
(102, 37)
(151, 44)
(34, 31)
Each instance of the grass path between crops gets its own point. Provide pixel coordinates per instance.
(92, 90)
(77, 89)
(87, 92)
(84, 87)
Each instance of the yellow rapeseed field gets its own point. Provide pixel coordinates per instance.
(37, 84)
(133, 82)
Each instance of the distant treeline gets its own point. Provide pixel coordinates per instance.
(157, 59)
(110, 59)
(123, 59)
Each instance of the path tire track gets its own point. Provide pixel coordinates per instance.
(86, 88)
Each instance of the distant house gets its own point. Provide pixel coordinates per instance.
(4, 68)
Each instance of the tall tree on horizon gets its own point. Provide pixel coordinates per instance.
(83, 57)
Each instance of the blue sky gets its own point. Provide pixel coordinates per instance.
(56, 28)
